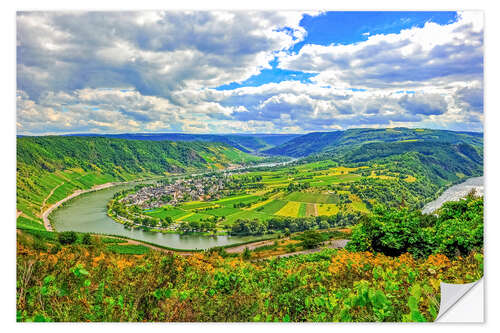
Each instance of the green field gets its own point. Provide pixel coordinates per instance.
(166, 212)
(129, 249)
(272, 207)
(302, 210)
(222, 211)
(246, 214)
(236, 200)
(25, 223)
(312, 197)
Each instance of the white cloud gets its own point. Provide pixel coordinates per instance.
(155, 71)
(432, 55)
(156, 52)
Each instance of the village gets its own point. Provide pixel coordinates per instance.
(181, 190)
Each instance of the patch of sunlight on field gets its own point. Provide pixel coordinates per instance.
(291, 209)
(419, 130)
(183, 217)
(409, 140)
(373, 175)
(459, 174)
(357, 205)
(262, 203)
(341, 170)
(327, 209)
(410, 179)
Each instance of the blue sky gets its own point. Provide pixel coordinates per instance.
(275, 72)
(343, 28)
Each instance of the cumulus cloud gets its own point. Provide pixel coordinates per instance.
(154, 52)
(431, 55)
(156, 71)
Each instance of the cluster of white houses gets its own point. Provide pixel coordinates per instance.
(197, 188)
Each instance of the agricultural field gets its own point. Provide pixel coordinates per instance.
(318, 189)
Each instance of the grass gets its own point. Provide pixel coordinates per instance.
(327, 209)
(246, 214)
(166, 212)
(222, 211)
(196, 204)
(108, 240)
(129, 249)
(272, 207)
(26, 223)
(302, 210)
(358, 206)
(196, 217)
(311, 197)
(291, 209)
(242, 199)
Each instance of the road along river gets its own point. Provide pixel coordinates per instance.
(455, 193)
(88, 213)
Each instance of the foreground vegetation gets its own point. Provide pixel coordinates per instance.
(91, 283)
(83, 278)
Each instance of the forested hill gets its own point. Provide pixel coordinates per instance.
(342, 141)
(244, 142)
(62, 164)
(436, 158)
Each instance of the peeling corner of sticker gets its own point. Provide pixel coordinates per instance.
(452, 295)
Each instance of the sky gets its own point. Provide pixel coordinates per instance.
(247, 71)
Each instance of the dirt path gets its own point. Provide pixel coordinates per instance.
(250, 246)
(315, 210)
(45, 215)
(48, 196)
(135, 242)
(18, 213)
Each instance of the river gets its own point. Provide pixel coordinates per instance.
(455, 193)
(88, 213)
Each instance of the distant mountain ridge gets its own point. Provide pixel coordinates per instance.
(338, 141)
(248, 143)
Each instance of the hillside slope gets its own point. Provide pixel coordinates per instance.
(50, 168)
(320, 142)
(244, 142)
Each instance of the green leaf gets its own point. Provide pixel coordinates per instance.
(413, 303)
(417, 316)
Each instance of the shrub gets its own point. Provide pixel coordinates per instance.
(67, 237)
(456, 231)
(311, 239)
(246, 254)
(86, 239)
(39, 245)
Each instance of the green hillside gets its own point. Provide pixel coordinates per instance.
(50, 168)
(338, 141)
(244, 142)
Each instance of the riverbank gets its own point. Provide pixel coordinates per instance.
(456, 192)
(46, 213)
